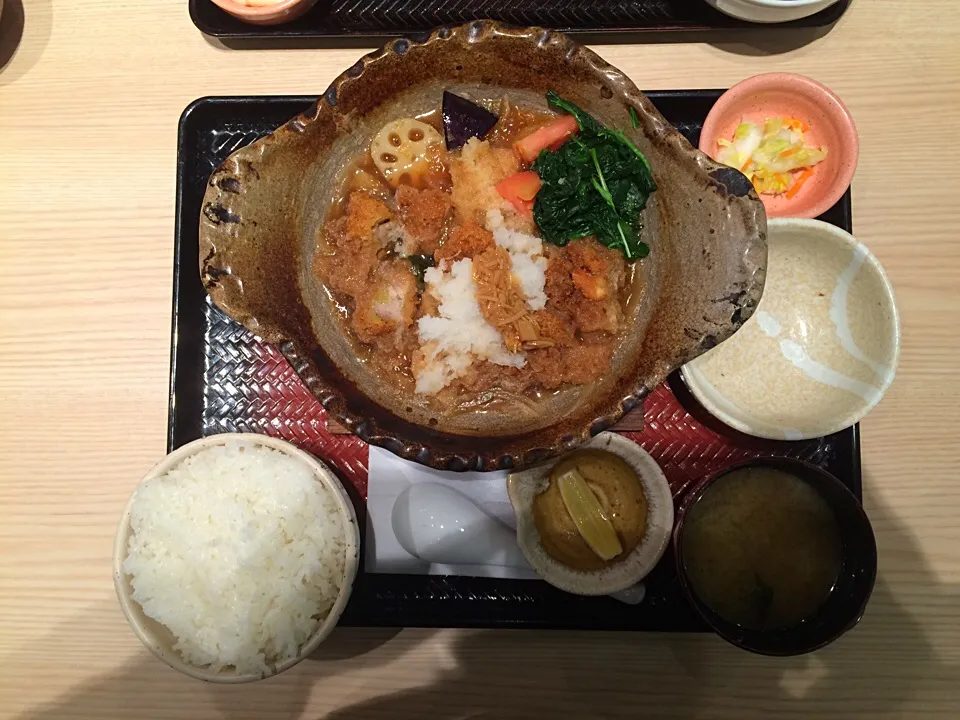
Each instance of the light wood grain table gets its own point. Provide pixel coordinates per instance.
(88, 120)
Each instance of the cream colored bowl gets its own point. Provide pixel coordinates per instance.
(822, 347)
(771, 11)
(158, 639)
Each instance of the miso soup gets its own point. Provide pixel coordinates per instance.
(762, 549)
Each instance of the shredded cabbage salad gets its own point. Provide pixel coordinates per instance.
(774, 156)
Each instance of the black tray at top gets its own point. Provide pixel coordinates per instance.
(210, 129)
(600, 19)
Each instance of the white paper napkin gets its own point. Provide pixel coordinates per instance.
(389, 476)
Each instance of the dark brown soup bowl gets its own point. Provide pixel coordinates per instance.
(264, 206)
(845, 605)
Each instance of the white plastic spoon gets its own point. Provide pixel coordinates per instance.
(440, 525)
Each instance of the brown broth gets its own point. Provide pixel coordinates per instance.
(391, 359)
(516, 123)
(762, 549)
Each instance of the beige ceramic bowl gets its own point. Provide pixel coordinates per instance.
(822, 347)
(524, 486)
(771, 11)
(265, 204)
(157, 638)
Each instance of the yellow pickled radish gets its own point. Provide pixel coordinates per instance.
(588, 515)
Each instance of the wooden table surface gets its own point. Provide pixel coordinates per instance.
(89, 104)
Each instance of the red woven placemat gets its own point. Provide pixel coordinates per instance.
(252, 387)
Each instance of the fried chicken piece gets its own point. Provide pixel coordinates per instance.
(364, 213)
(424, 214)
(593, 316)
(553, 327)
(465, 240)
(585, 363)
(387, 303)
(558, 285)
(597, 271)
(347, 248)
(547, 366)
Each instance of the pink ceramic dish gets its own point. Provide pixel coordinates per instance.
(831, 126)
(272, 14)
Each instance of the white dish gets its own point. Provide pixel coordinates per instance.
(771, 11)
(157, 638)
(820, 350)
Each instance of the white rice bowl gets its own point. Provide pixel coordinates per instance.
(235, 557)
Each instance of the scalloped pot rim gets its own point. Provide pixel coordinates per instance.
(259, 218)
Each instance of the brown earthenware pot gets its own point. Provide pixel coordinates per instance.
(264, 206)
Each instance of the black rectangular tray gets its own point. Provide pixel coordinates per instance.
(599, 19)
(207, 398)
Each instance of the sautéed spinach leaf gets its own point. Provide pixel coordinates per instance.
(597, 183)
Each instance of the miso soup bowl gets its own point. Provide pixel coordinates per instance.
(846, 603)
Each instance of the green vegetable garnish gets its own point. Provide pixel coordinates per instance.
(597, 183)
(419, 265)
(634, 120)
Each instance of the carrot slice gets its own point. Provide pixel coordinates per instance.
(549, 136)
(520, 190)
(804, 176)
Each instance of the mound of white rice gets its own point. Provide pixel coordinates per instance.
(239, 552)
